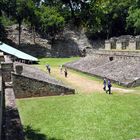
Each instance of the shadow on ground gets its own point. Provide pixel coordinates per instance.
(31, 134)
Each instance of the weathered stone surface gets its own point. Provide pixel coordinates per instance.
(6, 69)
(13, 126)
(1, 105)
(1, 57)
(28, 87)
(107, 45)
(126, 42)
(19, 69)
(120, 67)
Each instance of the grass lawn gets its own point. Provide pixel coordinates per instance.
(56, 62)
(82, 116)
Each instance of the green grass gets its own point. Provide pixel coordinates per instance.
(82, 117)
(56, 62)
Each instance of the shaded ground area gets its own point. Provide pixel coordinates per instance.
(31, 134)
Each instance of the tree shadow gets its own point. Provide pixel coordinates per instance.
(31, 134)
(3, 33)
(12, 127)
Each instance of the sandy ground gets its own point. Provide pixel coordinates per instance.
(84, 84)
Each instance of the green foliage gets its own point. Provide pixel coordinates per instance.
(51, 21)
(6, 21)
(99, 17)
(133, 19)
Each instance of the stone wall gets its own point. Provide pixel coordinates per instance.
(125, 42)
(1, 57)
(25, 87)
(6, 69)
(1, 104)
(135, 55)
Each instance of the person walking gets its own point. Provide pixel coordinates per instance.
(109, 86)
(104, 83)
(48, 68)
(66, 72)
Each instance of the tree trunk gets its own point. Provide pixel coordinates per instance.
(19, 36)
(33, 33)
(72, 11)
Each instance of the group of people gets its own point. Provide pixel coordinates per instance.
(107, 84)
(61, 70)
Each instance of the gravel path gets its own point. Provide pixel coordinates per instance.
(85, 85)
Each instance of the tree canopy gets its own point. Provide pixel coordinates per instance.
(104, 18)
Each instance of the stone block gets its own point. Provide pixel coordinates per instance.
(6, 69)
(132, 44)
(119, 45)
(107, 45)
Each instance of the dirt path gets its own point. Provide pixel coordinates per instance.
(83, 84)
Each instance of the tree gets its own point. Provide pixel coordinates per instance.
(32, 17)
(133, 19)
(24, 10)
(51, 22)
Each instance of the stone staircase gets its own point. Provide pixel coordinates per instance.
(122, 71)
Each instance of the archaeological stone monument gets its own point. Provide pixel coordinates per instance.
(127, 42)
(119, 61)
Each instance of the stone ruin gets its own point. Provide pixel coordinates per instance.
(121, 67)
(126, 42)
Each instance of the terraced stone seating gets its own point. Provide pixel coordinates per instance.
(87, 63)
(122, 71)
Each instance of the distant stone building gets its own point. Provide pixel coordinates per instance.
(126, 42)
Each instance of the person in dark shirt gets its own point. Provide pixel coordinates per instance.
(109, 86)
(66, 72)
(104, 83)
(48, 68)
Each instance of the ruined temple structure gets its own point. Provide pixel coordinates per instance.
(118, 61)
(126, 42)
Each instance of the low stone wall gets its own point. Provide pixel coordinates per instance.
(126, 42)
(1, 57)
(135, 55)
(25, 87)
(1, 104)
